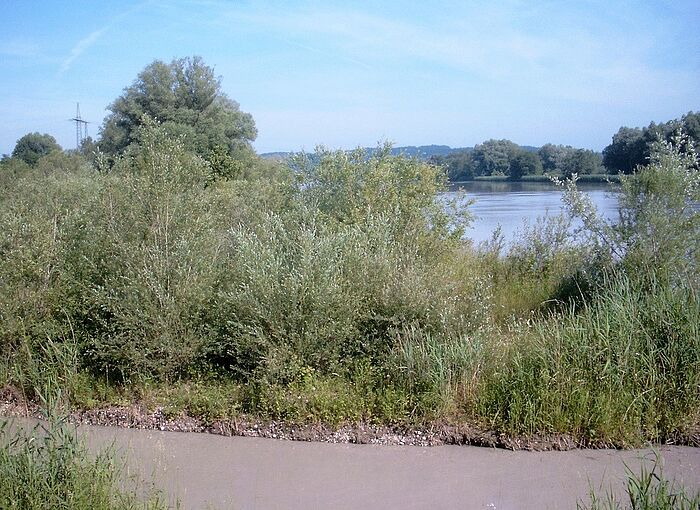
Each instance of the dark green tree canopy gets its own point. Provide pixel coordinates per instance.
(459, 165)
(582, 162)
(553, 156)
(34, 146)
(626, 151)
(524, 163)
(632, 147)
(185, 97)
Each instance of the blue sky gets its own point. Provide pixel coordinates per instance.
(345, 74)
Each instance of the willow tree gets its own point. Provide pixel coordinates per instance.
(185, 97)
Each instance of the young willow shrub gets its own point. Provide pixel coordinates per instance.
(34, 210)
(658, 228)
(122, 260)
(163, 242)
(361, 250)
(156, 268)
(350, 187)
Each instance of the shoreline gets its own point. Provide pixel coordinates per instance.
(137, 416)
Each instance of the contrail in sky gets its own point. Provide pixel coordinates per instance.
(86, 42)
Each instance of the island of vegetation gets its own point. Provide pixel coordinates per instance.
(166, 272)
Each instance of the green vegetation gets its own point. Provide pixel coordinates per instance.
(648, 490)
(337, 289)
(632, 147)
(185, 97)
(505, 160)
(49, 467)
(33, 146)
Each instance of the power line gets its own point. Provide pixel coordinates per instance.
(81, 131)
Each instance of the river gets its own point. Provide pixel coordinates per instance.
(255, 473)
(510, 204)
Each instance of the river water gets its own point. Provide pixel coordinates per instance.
(253, 473)
(511, 204)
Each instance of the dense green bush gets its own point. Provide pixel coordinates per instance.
(159, 269)
(340, 288)
(658, 228)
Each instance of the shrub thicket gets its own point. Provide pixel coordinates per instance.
(342, 280)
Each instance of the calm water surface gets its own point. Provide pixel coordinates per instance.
(255, 473)
(511, 204)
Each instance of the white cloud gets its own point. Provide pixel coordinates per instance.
(80, 48)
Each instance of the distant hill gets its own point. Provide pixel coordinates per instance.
(276, 155)
(426, 151)
(423, 152)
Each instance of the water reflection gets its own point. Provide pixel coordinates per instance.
(510, 204)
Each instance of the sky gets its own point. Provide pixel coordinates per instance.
(348, 74)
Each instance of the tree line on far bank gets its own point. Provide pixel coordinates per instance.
(630, 148)
(503, 158)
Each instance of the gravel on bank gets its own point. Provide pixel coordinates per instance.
(139, 417)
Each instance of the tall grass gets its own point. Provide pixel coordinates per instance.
(50, 468)
(647, 490)
(624, 367)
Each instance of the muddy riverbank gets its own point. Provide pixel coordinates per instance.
(438, 433)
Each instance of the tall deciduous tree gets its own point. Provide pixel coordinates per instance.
(633, 147)
(34, 146)
(185, 97)
(553, 156)
(459, 165)
(691, 127)
(582, 162)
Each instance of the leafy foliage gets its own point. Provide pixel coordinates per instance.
(34, 146)
(341, 288)
(524, 163)
(658, 228)
(186, 98)
(633, 147)
(493, 157)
